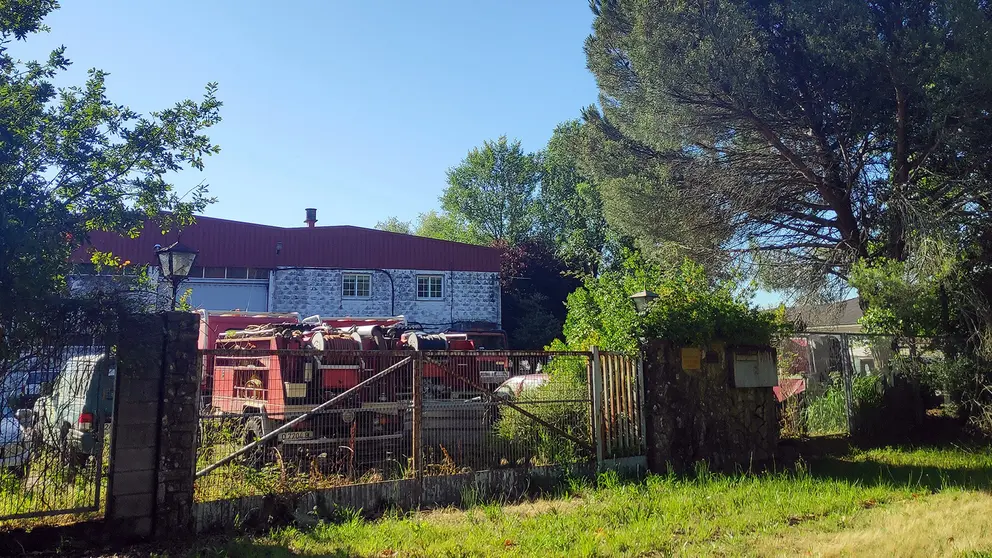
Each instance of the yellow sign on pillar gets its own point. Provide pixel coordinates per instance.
(692, 358)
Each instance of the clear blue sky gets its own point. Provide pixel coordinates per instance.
(355, 108)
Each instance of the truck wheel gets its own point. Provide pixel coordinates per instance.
(257, 456)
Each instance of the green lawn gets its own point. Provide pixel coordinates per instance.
(838, 506)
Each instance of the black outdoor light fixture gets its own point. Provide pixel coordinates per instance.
(642, 300)
(175, 262)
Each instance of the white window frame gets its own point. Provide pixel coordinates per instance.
(429, 277)
(355, 277)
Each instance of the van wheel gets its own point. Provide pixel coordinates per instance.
(22, 471)
(78, 460)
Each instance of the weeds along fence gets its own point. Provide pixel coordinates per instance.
(836, 384)
(282, 421)
(57, 400)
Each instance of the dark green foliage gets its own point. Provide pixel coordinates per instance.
(691, 309)
(535, 285)
(72, 162)
(802, 136)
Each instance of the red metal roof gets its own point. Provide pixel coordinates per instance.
(223, 243)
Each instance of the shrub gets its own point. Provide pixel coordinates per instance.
(691, 309)
(827, 412)
(560, 402)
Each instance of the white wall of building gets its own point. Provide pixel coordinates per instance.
(466, 295)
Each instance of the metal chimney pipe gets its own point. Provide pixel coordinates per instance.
(311, 217)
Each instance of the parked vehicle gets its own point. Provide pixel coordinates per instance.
(270, 390)
(512, 388)
(215, 324)
(21, 384)
(15, 442)
(267, 391)
(68, 414)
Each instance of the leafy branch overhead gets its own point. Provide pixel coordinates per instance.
(72, 161)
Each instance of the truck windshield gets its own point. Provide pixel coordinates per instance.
(488, 342)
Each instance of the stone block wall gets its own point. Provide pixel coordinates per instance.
(467, 296)
(697, 415)
(154, 427)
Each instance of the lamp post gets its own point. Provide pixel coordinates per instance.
(642, 301)
(175, 262)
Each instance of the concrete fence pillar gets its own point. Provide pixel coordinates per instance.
(154, 426)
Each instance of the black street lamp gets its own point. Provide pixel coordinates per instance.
(175, 262)
(643, 300)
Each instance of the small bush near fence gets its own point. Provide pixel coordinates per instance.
(559, 402)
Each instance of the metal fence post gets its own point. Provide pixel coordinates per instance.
(418, 423)
(643, 431)
(848, 377)
(597, 406)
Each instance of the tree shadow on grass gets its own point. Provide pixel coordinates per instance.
(247, 548)
(868, 471)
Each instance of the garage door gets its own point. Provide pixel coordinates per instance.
(228, 295)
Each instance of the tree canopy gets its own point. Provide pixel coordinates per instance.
(72, 162)
(691, 308)
(569, 205)
(801, 136)
(492, 190)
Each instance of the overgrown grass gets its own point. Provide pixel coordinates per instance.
(703, 513)
(826, 413)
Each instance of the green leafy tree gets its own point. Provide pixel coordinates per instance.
(899, 301)
(570, 206)
(393, 224)
(72, 162)
(804, 136)
(447, 226)
(492, 190)
(691, 308)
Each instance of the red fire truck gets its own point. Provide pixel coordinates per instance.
(315, 362)
(319, 359)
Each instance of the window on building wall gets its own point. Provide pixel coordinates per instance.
(430, 286)
(356, 285)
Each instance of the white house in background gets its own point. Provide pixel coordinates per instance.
(331, 271)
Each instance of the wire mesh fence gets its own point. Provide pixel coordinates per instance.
(839, 383)
(538, 416)
(297, 420)
(57, 399)
(310, 420)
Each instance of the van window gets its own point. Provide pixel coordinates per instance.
(77, 374)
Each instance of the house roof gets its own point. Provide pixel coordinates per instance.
(829, 317)
(223, 243)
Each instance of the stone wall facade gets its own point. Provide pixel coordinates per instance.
(154, 427)
(467, 295)
(698, 415)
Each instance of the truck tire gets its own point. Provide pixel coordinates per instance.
(257, 457)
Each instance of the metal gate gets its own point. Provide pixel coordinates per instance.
(617, 382)
(300, 420)
(505, 409)
(58, 398)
